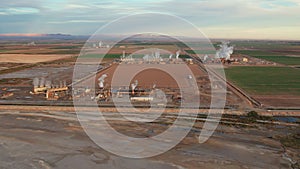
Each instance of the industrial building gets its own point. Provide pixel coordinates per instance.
(51, 91)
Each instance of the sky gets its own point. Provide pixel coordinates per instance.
(233, 19)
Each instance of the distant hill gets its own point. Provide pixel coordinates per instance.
(58, 36)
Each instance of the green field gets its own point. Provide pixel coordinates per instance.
(270, 56)
(266, 80)
(99, 55)
(265, 44)
(201, 51)
(66, 47)
(282, 59)
(256, 53)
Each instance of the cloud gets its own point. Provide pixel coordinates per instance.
(18, 11)
(76, 6)
(218, 17)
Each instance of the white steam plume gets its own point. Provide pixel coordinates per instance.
(42, 82)
(225, 51)
(101, 80)
(177, 54)
(134, 85)
(35, 82)
(48, 83)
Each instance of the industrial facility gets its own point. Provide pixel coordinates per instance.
(142, 88)
(51, 91)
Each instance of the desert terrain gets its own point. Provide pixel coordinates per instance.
(60, 142)
(40, 129)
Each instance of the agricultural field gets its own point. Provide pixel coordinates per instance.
(99, 55)
(272, 56)
(266, 80)
(40, 47)
(272, 86)
(256, 53)
(267, 45)
(29, 58)
(287, 53)
(287, 60)
(200, 51)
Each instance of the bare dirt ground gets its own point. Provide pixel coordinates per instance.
(55, 139)
(40, 48)
(53, 72)
(147, 78)
(71, 109)
(25, 58)
(279, 100)
(5, 65)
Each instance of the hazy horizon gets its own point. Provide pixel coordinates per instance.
(34, 35)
